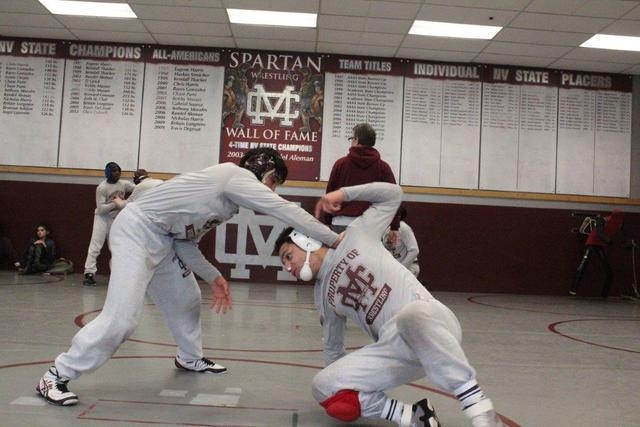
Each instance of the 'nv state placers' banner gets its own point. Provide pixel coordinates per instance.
(274, 100)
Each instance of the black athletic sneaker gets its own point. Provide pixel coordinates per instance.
(54, 389)
(203, 365)
(423, 415)
(88, 280)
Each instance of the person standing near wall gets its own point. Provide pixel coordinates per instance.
(143, 182)
(405, 250)
(361, 165)
(108, 195)
(605, 230)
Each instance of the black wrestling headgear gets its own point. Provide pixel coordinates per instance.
(139, 175)
(108, 170)
(263, 160)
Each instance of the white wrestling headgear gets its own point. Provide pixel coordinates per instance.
(308, 244)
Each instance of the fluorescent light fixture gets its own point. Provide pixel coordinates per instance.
(266, 17)
(89, 8)
(607, 41)
(447, 29)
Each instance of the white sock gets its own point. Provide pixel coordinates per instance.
(392, 410)
(473, 400)
(469, 394)
(481, 407)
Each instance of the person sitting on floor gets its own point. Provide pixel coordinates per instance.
(40, 253)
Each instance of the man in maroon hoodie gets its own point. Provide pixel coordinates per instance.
(361, 166)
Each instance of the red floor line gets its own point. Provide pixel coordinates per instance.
(553, 328)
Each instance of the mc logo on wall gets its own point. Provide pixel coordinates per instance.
(250, 226)
(274, 100)
(273, 105)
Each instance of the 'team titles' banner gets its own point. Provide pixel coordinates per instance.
(274, 100)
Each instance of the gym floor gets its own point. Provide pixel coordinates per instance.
(544, 361)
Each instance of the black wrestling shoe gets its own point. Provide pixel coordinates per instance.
(422, 415)
(89, 280)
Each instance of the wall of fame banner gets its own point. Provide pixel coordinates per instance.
(277, 101)
(361, 90)
(171, 109)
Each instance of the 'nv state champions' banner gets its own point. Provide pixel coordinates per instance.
(274, 100)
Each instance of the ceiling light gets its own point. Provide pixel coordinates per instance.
(266, 17)
(607, 41)
(447, 29)
(89, 8)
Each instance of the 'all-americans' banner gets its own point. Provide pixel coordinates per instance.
(274, 100)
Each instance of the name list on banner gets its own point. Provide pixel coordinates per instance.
(594, 134)
(31, 97)
(182, 108)
(102, 105)
(274, 100)
(441, 125)
(519, 125)
(362, 90)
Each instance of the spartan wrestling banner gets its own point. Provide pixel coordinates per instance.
(274, 100)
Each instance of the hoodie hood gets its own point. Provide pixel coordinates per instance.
(363, 156)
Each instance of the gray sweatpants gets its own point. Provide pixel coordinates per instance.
(423, 339)
(143, 261)
(99, 233)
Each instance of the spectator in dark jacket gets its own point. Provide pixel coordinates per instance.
(40, 253)
(361, 166)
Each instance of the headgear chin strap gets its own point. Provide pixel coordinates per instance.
(308, 244)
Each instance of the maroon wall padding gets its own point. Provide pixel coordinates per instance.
(466, 248)
(506, 249)
(66, 208)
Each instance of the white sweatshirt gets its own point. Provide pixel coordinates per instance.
(189, 205)
(360, 279)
